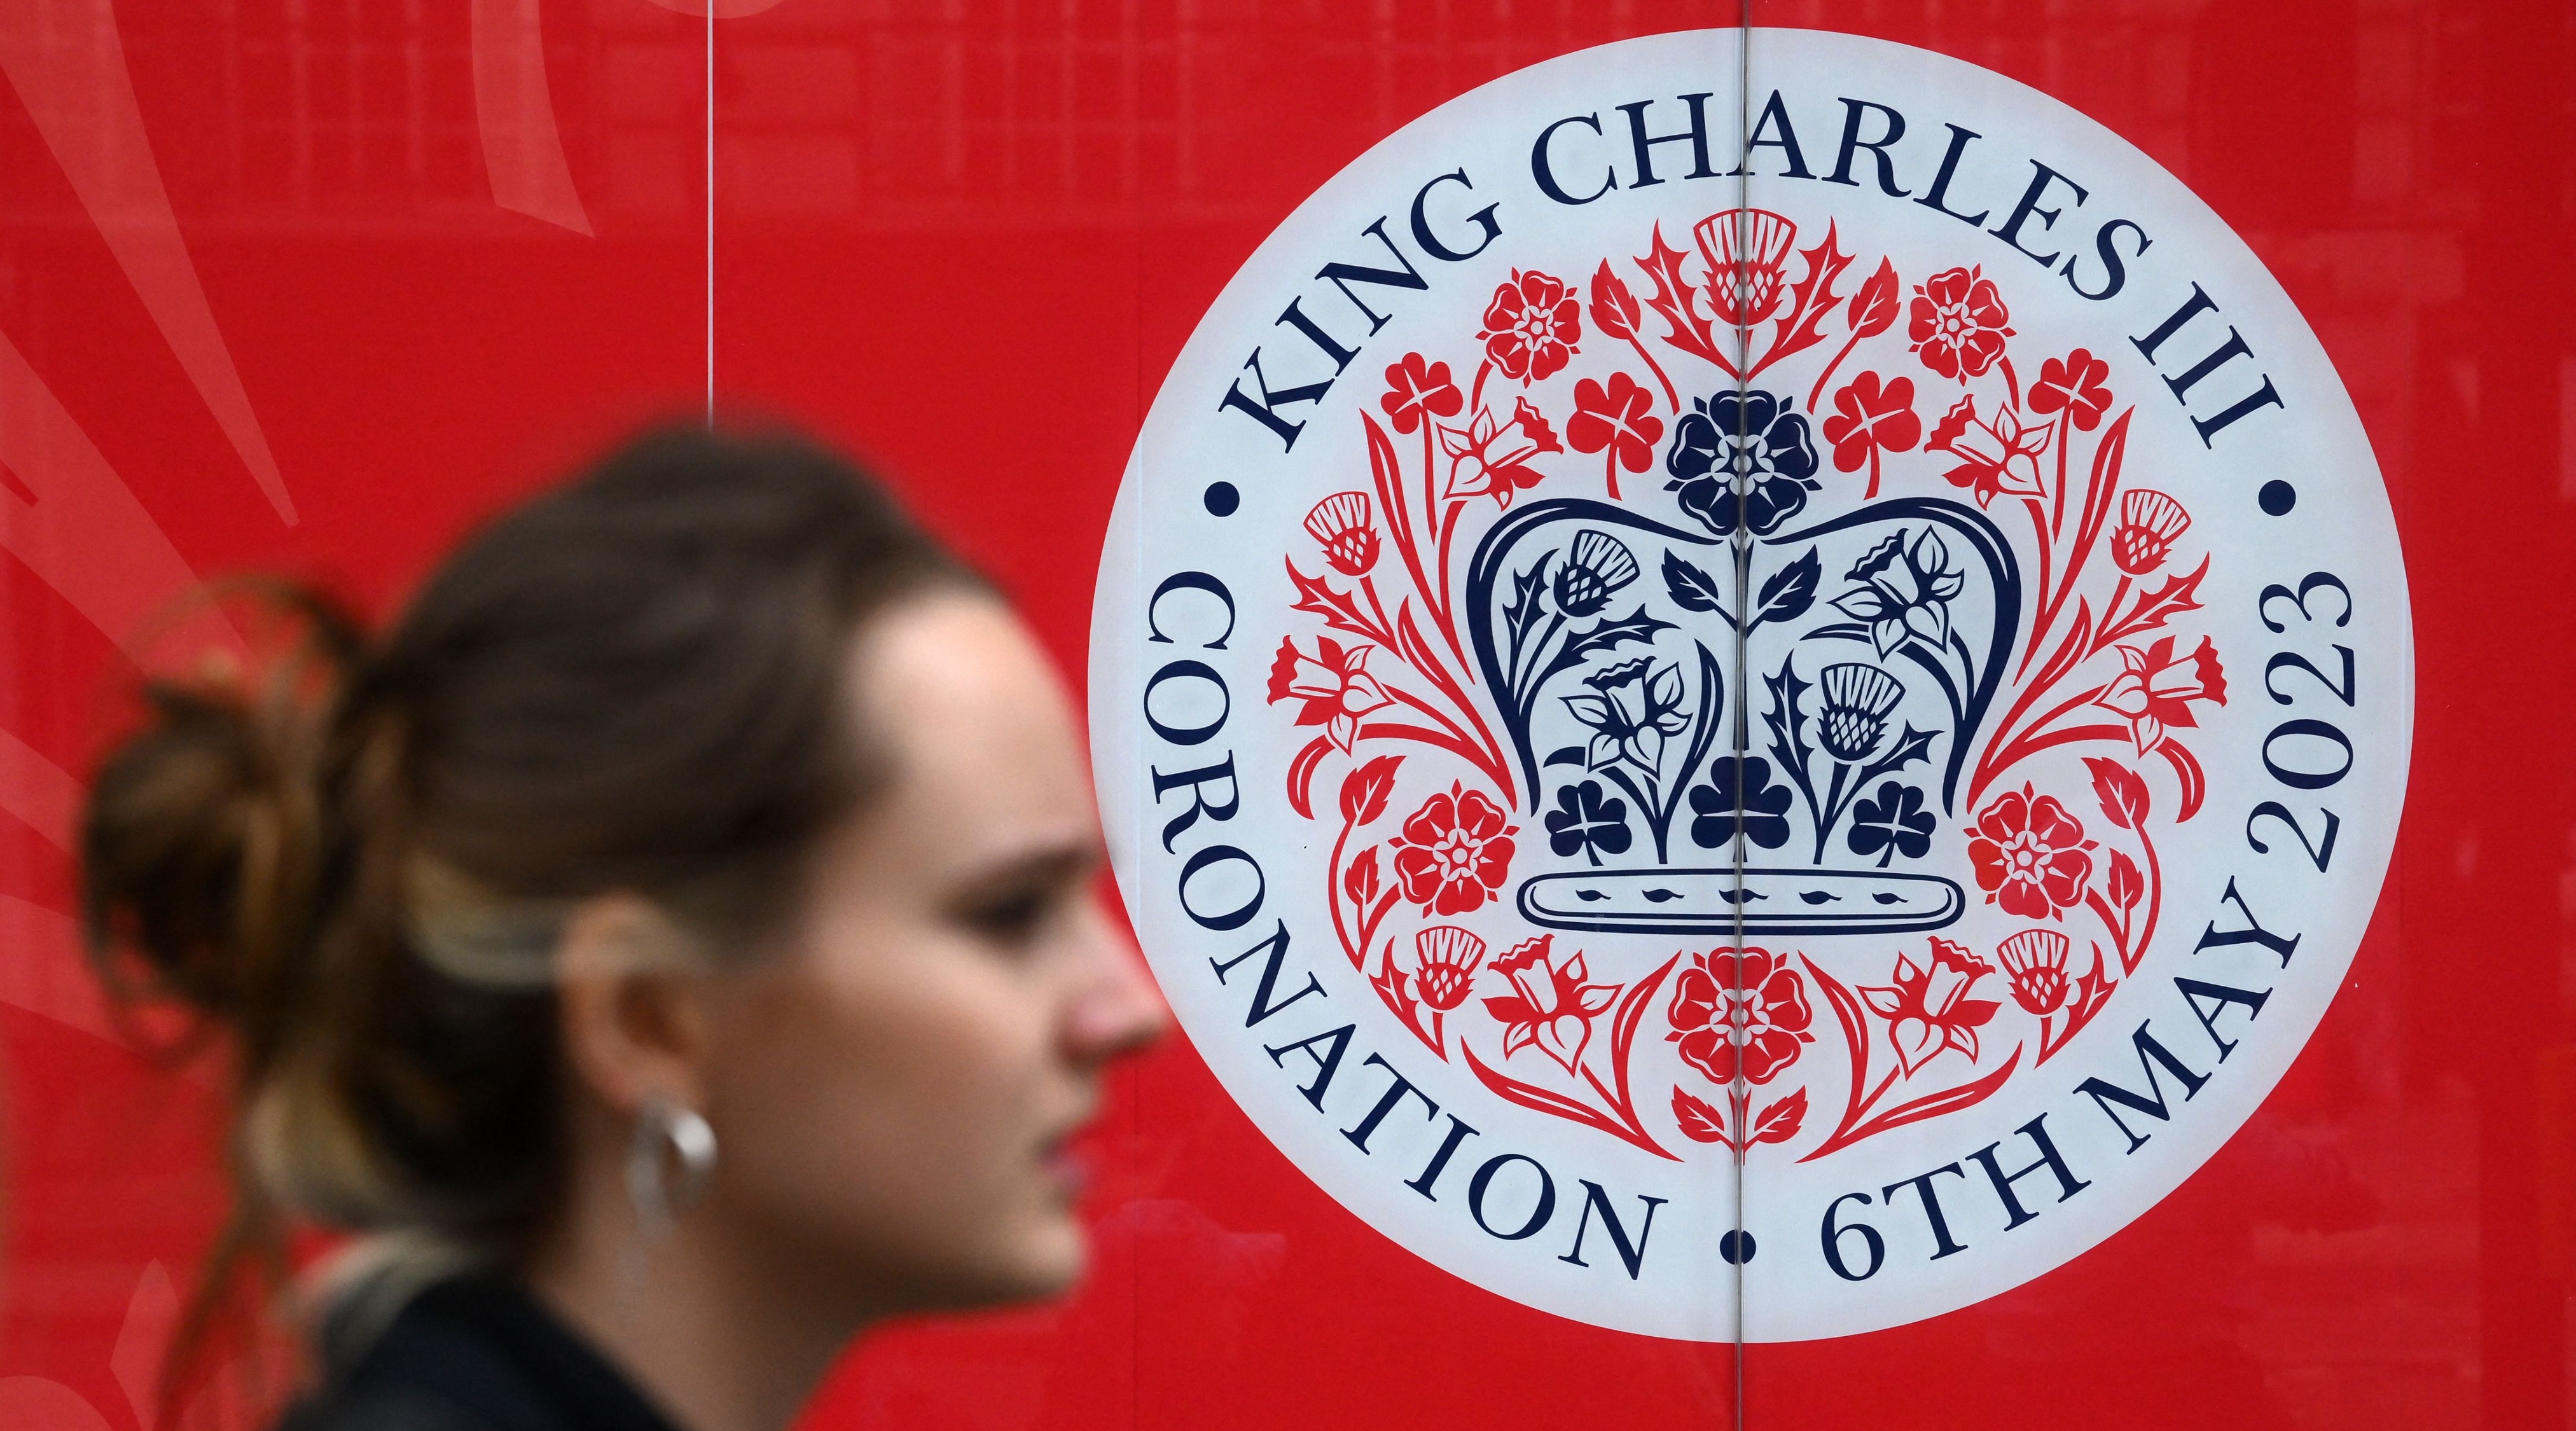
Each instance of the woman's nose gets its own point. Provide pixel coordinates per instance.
(1116, 1009)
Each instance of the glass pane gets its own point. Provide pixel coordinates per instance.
(2211, 253)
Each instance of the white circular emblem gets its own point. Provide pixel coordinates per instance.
(1880, 689)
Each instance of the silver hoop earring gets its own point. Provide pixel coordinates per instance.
(667, 1134)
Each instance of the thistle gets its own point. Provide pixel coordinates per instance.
(1596, 566)
(1341, 523)
(1857, 699)
(2035, 959)
(1449, 956)
(2149, 523)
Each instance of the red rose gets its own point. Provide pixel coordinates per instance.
(1736, 1009)
(1532, 326)
(1956, 322)
(1454, 852)
(2031, 856)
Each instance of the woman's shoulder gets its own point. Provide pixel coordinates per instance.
(380, 1410)
(474, 1354)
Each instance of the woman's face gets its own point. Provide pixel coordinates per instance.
(894, 1092)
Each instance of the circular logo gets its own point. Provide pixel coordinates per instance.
(1821, 734)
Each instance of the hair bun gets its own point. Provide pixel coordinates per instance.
(208, 842)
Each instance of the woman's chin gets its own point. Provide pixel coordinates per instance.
(1057, 1257)
(1044, 1262)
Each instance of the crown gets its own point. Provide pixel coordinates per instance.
(1874, 642)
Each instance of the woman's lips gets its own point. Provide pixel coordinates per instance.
(1067, 1168)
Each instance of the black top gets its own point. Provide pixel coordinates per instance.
(476, 1354)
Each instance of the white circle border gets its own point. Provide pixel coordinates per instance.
(1782, 1297)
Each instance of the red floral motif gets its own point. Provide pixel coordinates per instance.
(2035, 961)
(1996, 458)
(1490, 457)
(1551, 1006)
(1618, 418)
(1870, 416)
(1532, 326)
(1447, 964)
(2155, 689)
(2074, 383)
(1454, 851)
(1956, 323)
(1928, 1010)
(2031, 856)
(1746, 251)
(1414, 388)
(1735, 1010)
(1334, 685)
(1341, 525)
(2150, 521)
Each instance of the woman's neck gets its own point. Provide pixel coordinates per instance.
(721, 1333)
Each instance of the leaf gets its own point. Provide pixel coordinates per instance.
(1389, 983)
(1590, 708)
(1672, 301)
(1780, 1122)
(1861, 603)
(1910, 747)
(1385, 471)
(2092, 991)
(2194, 785)
(1690, 586)
(2073, 649)
(1359, 881)
(1301, 775)
(1704, 723)
(1803, 325)
(1614, 308)
(1408, 642)
(1789, 591)
(2122, 792)
(1316, 597)
(1784, 720)
(1365, 789)
(2125, 886)
(1632, 1010)
(1541, 1100)
(1930, 1105)
(1635, 626)
(1566, 755)
(1701, 1120)
(1522, 611)
(2178, 595)
(1874, 307)
(1664, 689)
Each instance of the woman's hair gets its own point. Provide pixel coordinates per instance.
(355, 862)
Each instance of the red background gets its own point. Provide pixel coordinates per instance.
(966, 239)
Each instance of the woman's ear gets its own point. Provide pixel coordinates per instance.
(632, 1003)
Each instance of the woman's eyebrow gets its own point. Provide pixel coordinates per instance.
(1071, 857)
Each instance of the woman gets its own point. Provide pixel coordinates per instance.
(673, 943)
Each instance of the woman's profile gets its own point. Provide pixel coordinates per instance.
(671, 945)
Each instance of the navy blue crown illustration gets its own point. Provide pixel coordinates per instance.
(1874, 642)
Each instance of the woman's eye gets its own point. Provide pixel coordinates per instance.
(1013, 917)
